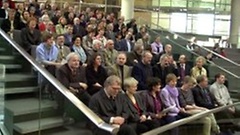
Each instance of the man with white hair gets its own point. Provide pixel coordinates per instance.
(109, 54)
(73, 77)
(96, 48)
(77, 28)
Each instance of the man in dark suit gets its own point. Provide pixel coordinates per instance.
(7, 25)
(143, 70)
(184, 69)
(202, 95)
(73, 77)
(4, 9)
(109, 105)
(135, 56)
(126, 44)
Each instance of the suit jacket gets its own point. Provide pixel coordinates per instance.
(149, 103)
(62, 53)
(110, 35)
(2, 13)
(187, 69)
(100, 103)
(161, 73)
(79, 30)
(6, 25)
(200, 98)
(124, 45)
(131, 56)
(141, 73)
(29, 39)
(65, 76)
(133, 112)
(115, 70)
(109, 57)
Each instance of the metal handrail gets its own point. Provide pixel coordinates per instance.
(187, 120)
(212, 63)
(88, 112)
(204, 48)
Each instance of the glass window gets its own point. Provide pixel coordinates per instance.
(179, 3)
(178, 22)
(204, 24)
(165, 3)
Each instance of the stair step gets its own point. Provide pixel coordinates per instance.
(2, 49)
(13, 66)
(33, 126)
(17, 77)
(20, 90)
(29, 105)
(6, 57)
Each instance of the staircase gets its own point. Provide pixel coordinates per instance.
(24, 112)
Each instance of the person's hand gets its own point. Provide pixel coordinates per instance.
(160, 115)
(97, 85)
(74, 91)
(118, 120)
(84, 85)
(143, 118)
(135, 61)
(182, 110)
(84, 65)
(231, 109)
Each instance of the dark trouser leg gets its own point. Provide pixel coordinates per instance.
(126, 130)
(170, 119)
(84, 97)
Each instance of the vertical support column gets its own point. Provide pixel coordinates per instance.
(127, 9)
(235, 24)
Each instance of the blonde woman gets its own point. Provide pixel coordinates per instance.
(198, 69)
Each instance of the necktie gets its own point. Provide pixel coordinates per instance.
(207, 96)
(61, 52)
(112, 102)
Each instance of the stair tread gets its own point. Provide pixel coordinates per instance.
(20, 90)
(31, 105)
(6, 57)
(16, 77)
(12, 66)
(32, 126)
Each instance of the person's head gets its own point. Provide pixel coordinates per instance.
(110, 44)
(11, 14)
(188, 82)
(62, 20)
(73, 60)
(171, 80)
(202, 81)
(129, 35)
(143, 29)
(70, 29)
(220, 78)
(77, 40)
(130, 85)
(48, 39)
(164, 60)
(182, 59)
(138, 48)
(110, 27)
(60, 40)
(112, 85)
(76, 21)
(200, 61)
(50, 25)
(25, 15)
(32, 10)
(158, 39)
(147, 57)
(95, 60)
(5, 4)
(32, 22)
(168, 48)
(58, 13)
(154, 84)
(121, 58)
(45, 18)
(101, 32)
(96, 44)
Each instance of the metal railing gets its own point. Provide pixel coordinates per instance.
(88, 112)
(187, 120)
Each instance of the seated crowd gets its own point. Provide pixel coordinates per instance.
(113, 67)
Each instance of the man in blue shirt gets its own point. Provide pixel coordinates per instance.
(46, 54)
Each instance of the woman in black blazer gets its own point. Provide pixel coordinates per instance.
(96, 74)
(138, 114)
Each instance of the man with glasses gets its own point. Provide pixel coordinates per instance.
(111, 106)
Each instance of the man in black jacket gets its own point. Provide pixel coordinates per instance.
(202, 95)
(111, 106)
